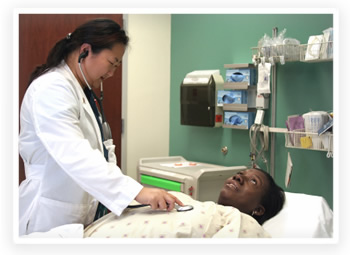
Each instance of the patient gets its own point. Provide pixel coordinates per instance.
(246, 200)
(253, 192)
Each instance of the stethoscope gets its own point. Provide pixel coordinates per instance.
(177, 207)
(106, 130)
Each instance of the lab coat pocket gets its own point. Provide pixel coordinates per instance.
(52, 213)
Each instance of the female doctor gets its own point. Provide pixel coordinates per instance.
(66, 146)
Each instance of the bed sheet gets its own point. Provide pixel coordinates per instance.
(64, 231)
(206, 220)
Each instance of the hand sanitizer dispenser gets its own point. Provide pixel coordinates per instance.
(198, 99)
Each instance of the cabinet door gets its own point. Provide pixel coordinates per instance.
(37, 35)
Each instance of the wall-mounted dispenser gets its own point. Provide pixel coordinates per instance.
(198, 99)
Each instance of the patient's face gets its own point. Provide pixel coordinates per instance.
(244, 190)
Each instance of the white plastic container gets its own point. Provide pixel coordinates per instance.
(313, 121)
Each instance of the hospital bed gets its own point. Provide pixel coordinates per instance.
(303, 216)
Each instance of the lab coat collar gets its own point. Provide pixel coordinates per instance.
(83, 99)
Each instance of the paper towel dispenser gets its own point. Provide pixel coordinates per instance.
(198, 98)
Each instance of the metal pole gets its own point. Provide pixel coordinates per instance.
(273, 111)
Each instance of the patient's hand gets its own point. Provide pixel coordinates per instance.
(157, 199)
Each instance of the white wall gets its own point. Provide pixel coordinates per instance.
(146, 89)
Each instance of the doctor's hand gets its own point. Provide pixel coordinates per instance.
(157, 199)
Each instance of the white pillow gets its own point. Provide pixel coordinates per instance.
(302, 216)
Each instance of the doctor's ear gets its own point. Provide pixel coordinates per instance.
(84, 50)
(83, 55)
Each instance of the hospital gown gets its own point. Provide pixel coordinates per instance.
(206, 220)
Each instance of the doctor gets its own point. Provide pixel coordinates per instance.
(68, 155)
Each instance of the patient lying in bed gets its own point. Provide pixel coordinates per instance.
(250, 192)
(207, 219)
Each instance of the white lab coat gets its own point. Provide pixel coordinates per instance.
(66, 172)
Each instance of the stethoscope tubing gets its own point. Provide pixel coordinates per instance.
(177, 207)
(98, 99)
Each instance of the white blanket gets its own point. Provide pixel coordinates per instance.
(206, 220)
(64, 231)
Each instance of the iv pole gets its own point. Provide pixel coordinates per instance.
(273, 111)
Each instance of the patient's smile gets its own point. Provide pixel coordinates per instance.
(232, 186)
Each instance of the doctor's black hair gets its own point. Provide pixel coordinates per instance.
(99, 33)
(273, 199)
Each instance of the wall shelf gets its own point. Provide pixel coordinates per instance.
(325, 52)
(294, 53)
(292, 139)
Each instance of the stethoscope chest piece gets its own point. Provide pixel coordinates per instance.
(184, 208)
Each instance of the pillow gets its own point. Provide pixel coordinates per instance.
(302, 216)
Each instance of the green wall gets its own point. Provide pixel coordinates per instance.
(208, 41)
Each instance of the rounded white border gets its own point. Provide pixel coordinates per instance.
(8, 114)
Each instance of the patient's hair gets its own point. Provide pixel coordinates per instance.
(272, 200)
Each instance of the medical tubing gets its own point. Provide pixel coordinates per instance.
(100, 105)
(137, 206)
(81, 70)
(94, 95)
(264, 141)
